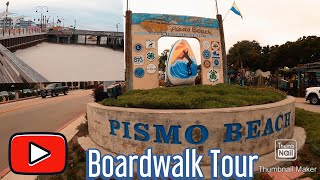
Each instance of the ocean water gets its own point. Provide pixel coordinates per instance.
(63, 63)
(180, 70)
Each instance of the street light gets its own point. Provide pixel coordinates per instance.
(42, 17)
(5, 21)
(117, 26)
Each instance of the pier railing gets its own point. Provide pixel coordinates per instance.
(14, 70)
(20, 31)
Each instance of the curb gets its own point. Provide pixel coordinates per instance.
(17, 100)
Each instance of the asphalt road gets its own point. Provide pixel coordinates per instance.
(39, 115)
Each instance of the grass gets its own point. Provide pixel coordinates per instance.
(310, 154)
(196, 97)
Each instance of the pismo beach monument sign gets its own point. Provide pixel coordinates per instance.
(238, 130)
(147, 29)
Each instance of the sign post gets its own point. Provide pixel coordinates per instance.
(128, 48)
(223, 49)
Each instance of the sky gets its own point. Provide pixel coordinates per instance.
(89, 14)
(269, 22)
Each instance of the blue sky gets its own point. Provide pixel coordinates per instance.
(90, 14)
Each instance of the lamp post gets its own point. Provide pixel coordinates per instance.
(42, 19)
(5, 20)
(117, 26)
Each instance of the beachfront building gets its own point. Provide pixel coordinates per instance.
(24, 24)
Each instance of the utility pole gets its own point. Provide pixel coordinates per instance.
(223, 45)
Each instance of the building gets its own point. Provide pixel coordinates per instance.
(19, 24)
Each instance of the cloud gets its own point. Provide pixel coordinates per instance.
(268, 21)
(94, 14)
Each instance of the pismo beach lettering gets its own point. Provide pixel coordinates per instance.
(191, 29)
(172, 134)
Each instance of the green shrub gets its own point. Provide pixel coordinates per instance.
(28, 94)
(197, 97)
(1, 98)
(99, 94)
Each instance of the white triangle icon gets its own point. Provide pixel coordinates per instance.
(37, 154)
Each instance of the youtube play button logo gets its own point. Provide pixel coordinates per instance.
(37, 153)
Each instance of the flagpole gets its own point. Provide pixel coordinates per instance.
(217, 7)
(127, 5)
(226, 15)
(223, 46)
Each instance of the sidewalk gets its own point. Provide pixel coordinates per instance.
(69, 132)
(303, 104)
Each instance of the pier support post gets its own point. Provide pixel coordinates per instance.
(76, 39)
(85, 40)
(69, 40)
(98, 40)
(58, 39)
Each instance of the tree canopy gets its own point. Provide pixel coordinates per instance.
(163, 59)
(251, 55)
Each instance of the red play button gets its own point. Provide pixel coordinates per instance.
(37, 153)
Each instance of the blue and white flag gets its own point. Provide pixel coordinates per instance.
(236, 10)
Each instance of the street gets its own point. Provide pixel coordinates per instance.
(39, 115)
(303, 104)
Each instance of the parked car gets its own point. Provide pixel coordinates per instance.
(54, 89)
(25, 91)
(313, 95)
(35, 91)
(12, 95)
(4, 94)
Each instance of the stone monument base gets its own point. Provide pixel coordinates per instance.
(266, 160)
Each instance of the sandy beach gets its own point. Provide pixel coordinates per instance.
(61, 63)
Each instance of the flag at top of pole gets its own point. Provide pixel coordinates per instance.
(236, 10)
